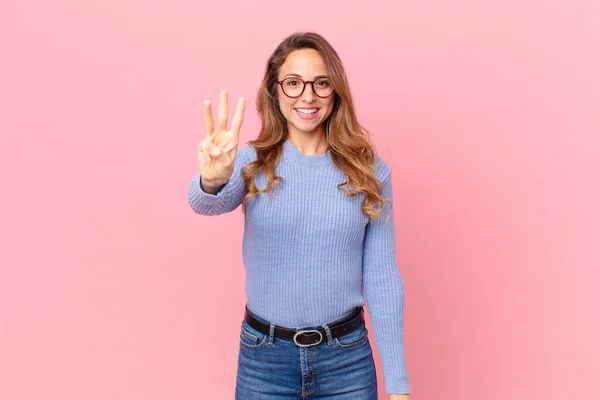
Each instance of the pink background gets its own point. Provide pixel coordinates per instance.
(488, 113)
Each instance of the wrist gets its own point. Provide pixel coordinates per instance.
(212, 186)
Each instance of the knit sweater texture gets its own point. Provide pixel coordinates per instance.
(311, 254)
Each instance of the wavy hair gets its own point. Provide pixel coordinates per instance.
(349, 143)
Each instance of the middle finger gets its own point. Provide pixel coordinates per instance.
(223, 110)
(209, 123)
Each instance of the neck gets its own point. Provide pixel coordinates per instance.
(309, 144)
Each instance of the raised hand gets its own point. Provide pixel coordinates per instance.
(218, 150)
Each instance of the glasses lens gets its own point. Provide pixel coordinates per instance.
(292, 86)
(323, 87)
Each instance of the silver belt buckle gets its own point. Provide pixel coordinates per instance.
(308, 345)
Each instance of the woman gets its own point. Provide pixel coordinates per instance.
(313, 194)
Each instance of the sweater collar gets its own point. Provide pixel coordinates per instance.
(291, 152)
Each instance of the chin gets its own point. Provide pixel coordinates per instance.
(308, 129)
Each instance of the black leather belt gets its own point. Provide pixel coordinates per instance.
(310, 337)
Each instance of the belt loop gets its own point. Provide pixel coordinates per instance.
(271, 332)
(328, 333)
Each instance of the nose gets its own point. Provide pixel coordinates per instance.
(308, 95)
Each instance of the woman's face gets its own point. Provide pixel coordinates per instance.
(307, 112)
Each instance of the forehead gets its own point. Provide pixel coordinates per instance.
(307, 63)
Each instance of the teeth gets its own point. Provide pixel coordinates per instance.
(307, 112)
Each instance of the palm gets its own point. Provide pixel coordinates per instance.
(218, 150)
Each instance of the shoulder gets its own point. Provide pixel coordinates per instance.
(381, 168)
(247, 154)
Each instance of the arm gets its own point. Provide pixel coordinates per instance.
(384, 292)
(228, 197)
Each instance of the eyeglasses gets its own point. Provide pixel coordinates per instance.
(294, 87)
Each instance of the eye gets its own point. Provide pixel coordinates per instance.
(292, 82)
(324, 83)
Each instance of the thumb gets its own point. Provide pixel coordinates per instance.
(212, 149)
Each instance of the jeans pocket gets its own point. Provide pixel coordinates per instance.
(251, 338)
(356, 338)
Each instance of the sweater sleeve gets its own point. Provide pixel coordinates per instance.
(384, 291)
(228, 198)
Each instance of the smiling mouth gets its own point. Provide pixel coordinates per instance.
(307, 111)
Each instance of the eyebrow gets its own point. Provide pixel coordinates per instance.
(299, 76)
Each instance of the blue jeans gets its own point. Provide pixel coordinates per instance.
(270, 368)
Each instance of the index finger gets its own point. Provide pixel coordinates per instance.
(238, 117)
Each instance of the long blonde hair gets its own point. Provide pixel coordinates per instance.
(349, 143)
